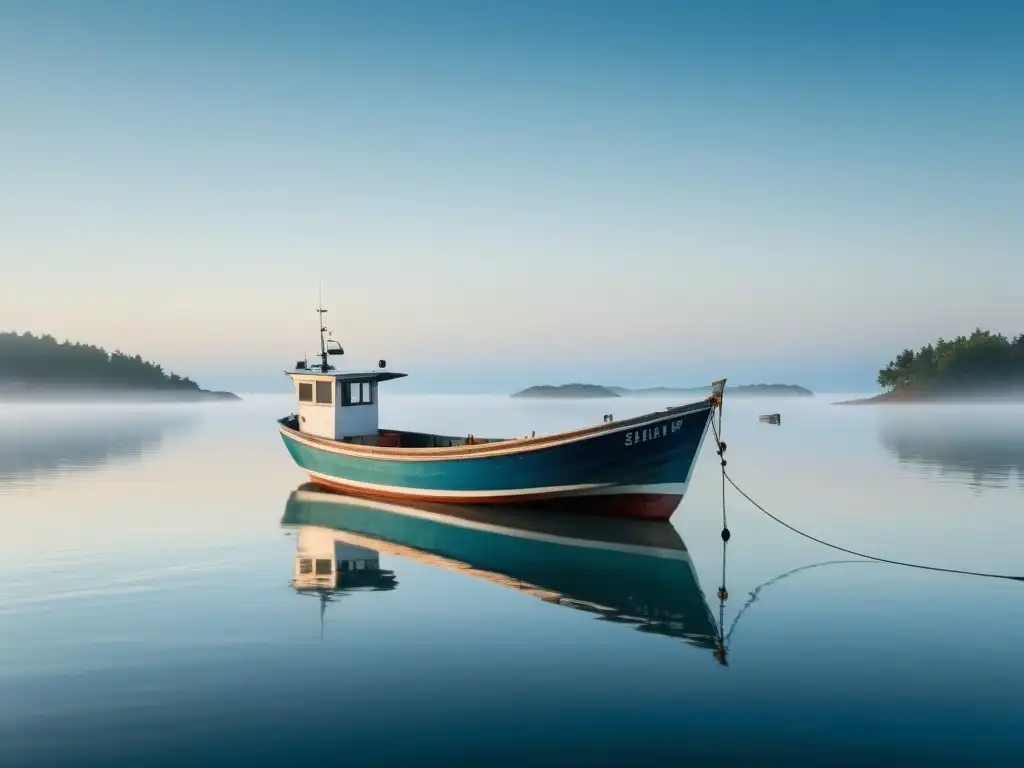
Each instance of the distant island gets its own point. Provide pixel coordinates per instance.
(982, 366)
(565, 391)
(596, 390)
(40, 367)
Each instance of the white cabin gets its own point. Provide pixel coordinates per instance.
(337, 405)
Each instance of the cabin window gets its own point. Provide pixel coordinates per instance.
(359, 393)
(306, 392)
(323, 392)
(305, 565)
(323, 567)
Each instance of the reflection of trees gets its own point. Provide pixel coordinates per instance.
(70, 439)
(971, 446)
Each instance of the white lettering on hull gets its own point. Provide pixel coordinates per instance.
(652, 433)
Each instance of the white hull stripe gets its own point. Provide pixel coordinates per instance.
(515, 445)
(585, 489)
(312, 496)
(419, 492)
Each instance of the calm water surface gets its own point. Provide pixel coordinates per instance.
(148, 613)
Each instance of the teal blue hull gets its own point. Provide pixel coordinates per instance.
(637, 468)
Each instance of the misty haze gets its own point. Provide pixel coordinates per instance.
(459, 383)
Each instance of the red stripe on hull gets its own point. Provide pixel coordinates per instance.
(645, 506)
(640, 506)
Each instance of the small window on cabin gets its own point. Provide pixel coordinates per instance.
(359, 393)
(306, 392)
(305, 565)
(323, 392)
(323, 567)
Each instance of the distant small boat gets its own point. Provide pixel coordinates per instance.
(636, 573)
(638, 467)
(770, 418)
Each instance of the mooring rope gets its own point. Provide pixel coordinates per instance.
(744, 494)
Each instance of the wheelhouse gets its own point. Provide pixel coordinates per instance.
(339, 405)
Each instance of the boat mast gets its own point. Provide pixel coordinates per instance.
(323, 329)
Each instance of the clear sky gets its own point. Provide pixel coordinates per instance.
(497, 194)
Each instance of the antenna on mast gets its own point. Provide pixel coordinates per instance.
(325, 349)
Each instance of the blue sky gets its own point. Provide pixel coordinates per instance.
(497, 194)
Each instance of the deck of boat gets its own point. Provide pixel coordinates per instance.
(385, 441)
(397, 438)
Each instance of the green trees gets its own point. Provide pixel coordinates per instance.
(981, 362)
(44, 360)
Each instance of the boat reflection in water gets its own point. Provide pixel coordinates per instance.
(632, 572)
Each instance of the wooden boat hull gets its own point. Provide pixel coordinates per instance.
(632, 573)
(635, 468)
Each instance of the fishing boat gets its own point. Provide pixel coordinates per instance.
(636, 467)
(635, 573)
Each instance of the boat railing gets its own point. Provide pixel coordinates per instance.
(518, 443)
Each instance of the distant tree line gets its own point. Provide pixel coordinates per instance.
(43, 360)
(983, 361)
